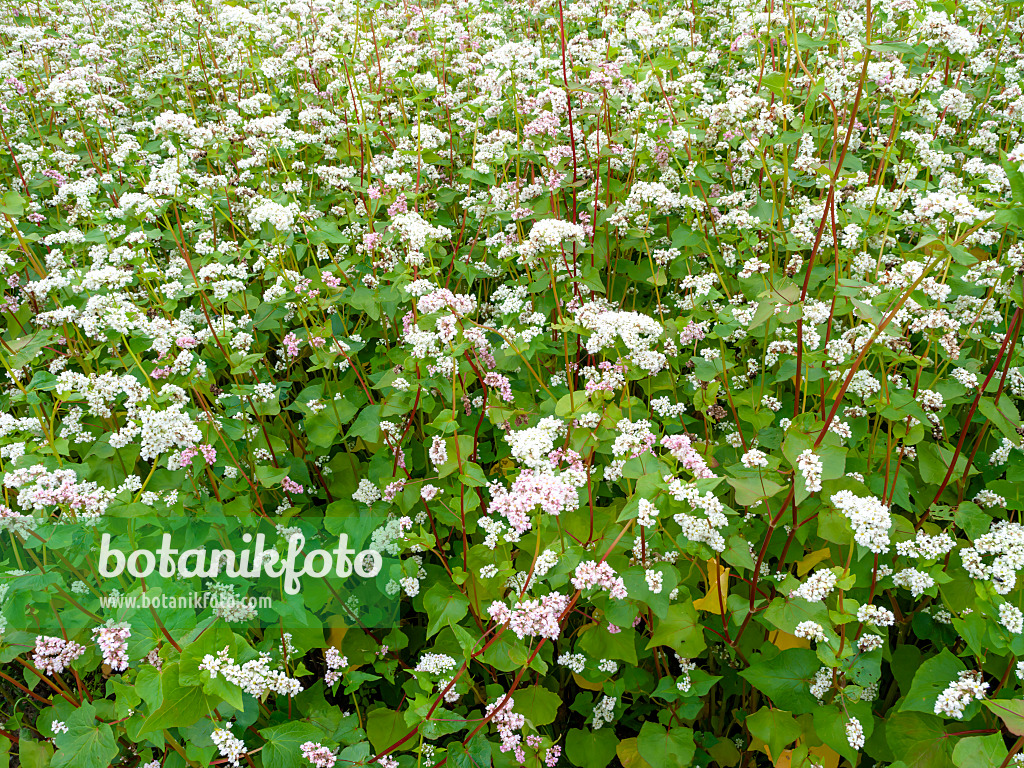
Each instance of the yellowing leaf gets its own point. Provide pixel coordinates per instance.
(725, 753)
(584, 683)
(827, 756)
(337, 636)
(504, 467)
(718, 589)
(629, 755)
(804, 566)
(783, 640)
(785, 759)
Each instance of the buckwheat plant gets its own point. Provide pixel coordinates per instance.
(664, 356)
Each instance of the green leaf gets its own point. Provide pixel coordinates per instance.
(283, 742)
(384, 728)
(680, 631)
(591, 749)
(930, 680)
(366, 425)
(599, 643)
(182, 705)
(478, 754)
(1010, 711)
(665, 748)
(786, 678)
(1003, 415)
(13, 204)
(972, 519)
(445, 606)
(919, 739)
(980, 752)
(34, 754)
(86, 743)
(537, 704)
(776, 728)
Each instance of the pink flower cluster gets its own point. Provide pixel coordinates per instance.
(291, 345)
(458, 303)
(113, 643)
(393, 489)
(592, 574)
(53, 654)
(336, 664)
(531, 490)
(500, 383)
(612, 376)
(532, 618)
(508, 724)
(692, 332)
(681, 447)
(39, 488)
(291, 486)
(318, 755)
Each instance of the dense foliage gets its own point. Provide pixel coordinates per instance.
(668, 354)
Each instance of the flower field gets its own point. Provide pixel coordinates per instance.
(534, 383)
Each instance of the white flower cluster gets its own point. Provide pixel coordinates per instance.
(869, 517)
(817, 587)
(966, 688)
(707, 529)
(165, 430)
(255, 677)
(637, 331)
(875, 616)
(1005, 540)
(914, 580)
(229, 745)
(823, 680)
(855, 733)
(754, 458)
(532, 446)
(647, 514)
(926, 547)
(548, 235)
(810, 630)
(414, 231)
(1011, 617)
(810, 467)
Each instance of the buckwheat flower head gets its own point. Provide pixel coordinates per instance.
(591, 574)
(438, 451)
(53, 654)
(318, 755)
(810, 630)
(1011, 617)
(875, 616)
(647, 513)
(869, 518)
(868, 643)
(336, 664)
(754, 458)
(966, 688)
(855, 733)
(228, 744)
(823, 681)
(532, 618)
(816, 587)
(810, 466)
(112, 640)
(367, 492)
(914, 580)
